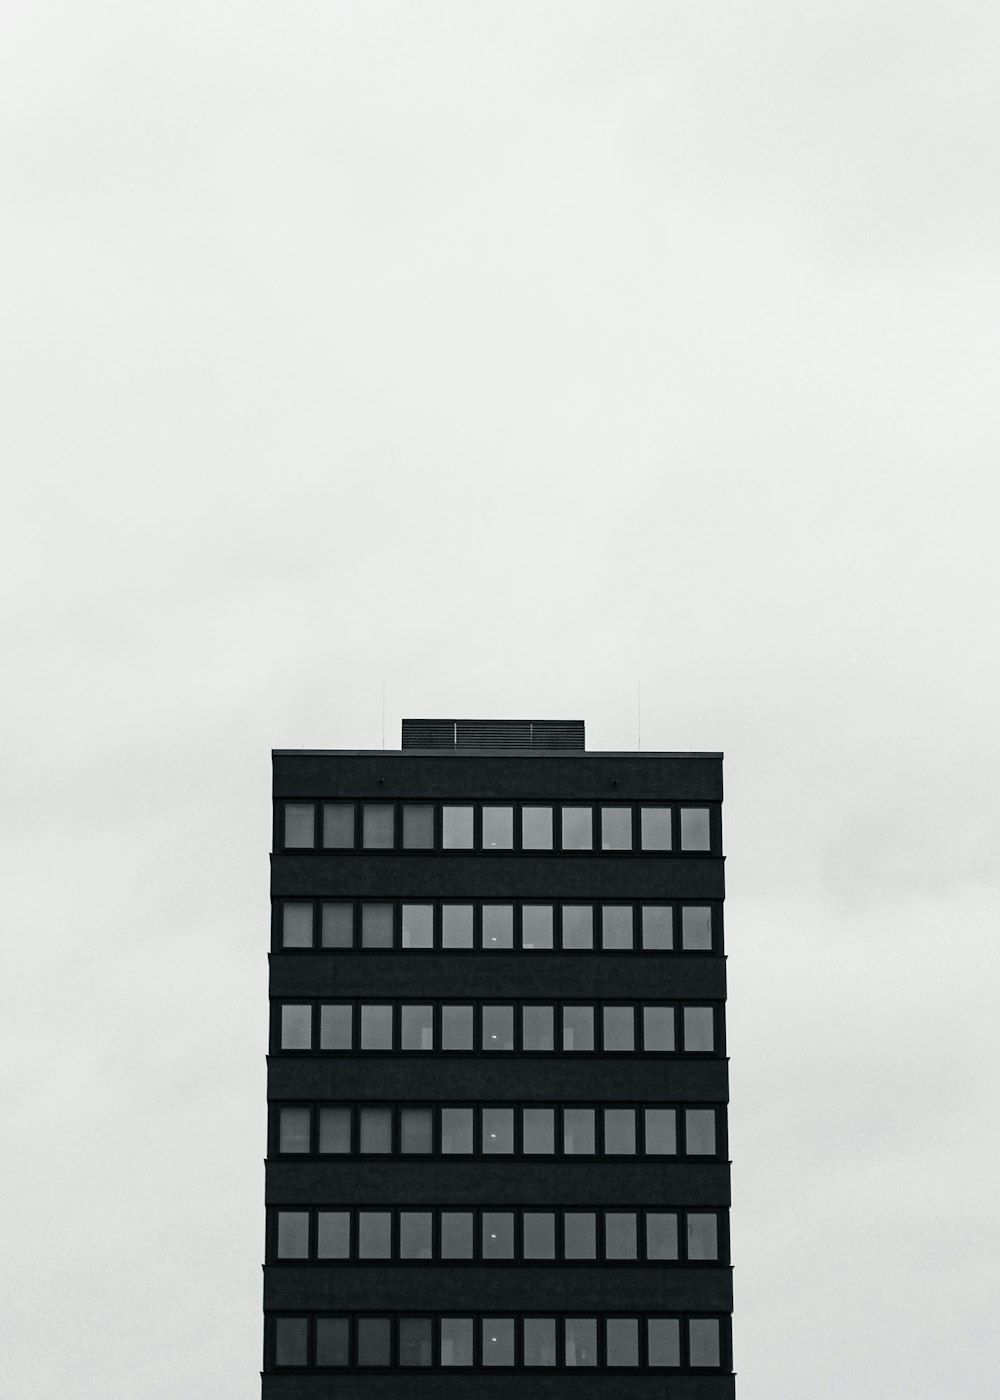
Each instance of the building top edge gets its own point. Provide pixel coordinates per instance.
(467, 754)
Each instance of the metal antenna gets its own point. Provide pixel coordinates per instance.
(638, 711)
(383, 714)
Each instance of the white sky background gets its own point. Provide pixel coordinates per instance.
(510, 353)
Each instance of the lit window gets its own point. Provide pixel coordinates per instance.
(456, 828)
(456, 1131)
(578, 1132)
(293, 1234)
(374, 1341)
(536, 1028)
(333, 1234)
(417, 1028)
(418, 826)
(297, 926)
(657, 927)
(699, 1131)
(376, 925)
(616, 927)
(415, 1234)
(300, 823)
(336, 1028)
(332, 1341)
(498, 1341)
(378, 826)
(539, 1129)
(456, 926)
(456, 1234)
(416, 1130)
(664, 1338)
(578, 1028)
(699, 1028)
(658, 1027)
(581, 1341)
(498, 926)
(374, 1234)
(414, 1341)
(623, 1341)
(703, 1341)
(338, 825)
(456, 1028)
(580, 1234)
(620, 1238)
(696, 928)
(376, 1028)
(661, 1132)
(296, 1027)
(536, 828)
(498, 1234)
(376, 1130)
(539, 1341)
(338, 925)
(335, 1130)
(539, 1235)
(619, 1132)
(619, 1028)
(616, 828)
(577, 927)
(702, 1236)
(661, 1235)
(498, 1131)
(456, 1341)
(293, 1130)
(418, 926)
(498, 1027)
(498, 828)
(536, 926)
(655, 828)
(290, 1341)
(695, 829)
(577, 829)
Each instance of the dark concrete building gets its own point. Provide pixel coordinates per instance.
(497, 1158)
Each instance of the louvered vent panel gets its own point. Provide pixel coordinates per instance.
(520, 734)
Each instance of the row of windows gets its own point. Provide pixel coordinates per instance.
(482, 826)
(492, 1236)
(476, 1341)
(457, 1027)
(563, 1130)
(491, 926)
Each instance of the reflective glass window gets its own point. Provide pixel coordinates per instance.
(539, 1341)
(374, 1341)
(498, 926)
(378, 825)
(498, 1130)
(498, 1027)
(297, 925)
(374, 1234)
(664, 1341)
(581, 1341)
(338, 825)
(702, 1235)
(658, 1027)
(456, 1234)
(376, 1130)
(335, 1130)
(293, 1130)
(580, 1234)
(622, 1341)
(620, 1237)
(539, 1131)
(619, 1028)
(616, 828)
(577, 829)
(456, 1028)
(415, 1234)
(536, 828)
(657, 927)
(695, 829)
(416, 1130)
(333, 1234)
(696, 928)
(456, 1131)
(376, 925)
(619, 1132)
(293, 1234)
(376, 1028)
(616, 927)
(539, 1234)
(577, 927)
(456, 926)
(654, 825)
(578, 1028)
(300, 822)
(536, 927)
(498, 828)
(290, 1340)
(498, 1234)
(703, 1341)
(699, 1028)
(418, 826)
(578, 1132)
(338, 925)
(335, 1027)
(296, 1027)
(498, 1341)
(536, 1028)
(456, 1341)
(699, 1131)
(417, 926)
(333, 1341)
(456, 828)
(416, 1029)
(415, 1341)
(661, 1234)
(661, 1132)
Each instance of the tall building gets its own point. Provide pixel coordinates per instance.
(497, 1083)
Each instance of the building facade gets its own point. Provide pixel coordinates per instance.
(497, 1081)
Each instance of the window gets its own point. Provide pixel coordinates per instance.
(702, 1236)
(296, 1027)
(293, 1130)
(579, 1234)
(300, 822)
(699, 1028)
(658, 1027)
(622, 1341)
(536, 828)
(657, 927)
(577, 829)
(336, 1027)
(664, 1339)
(616, 828)
(616, 927)
(333, 1234)
(619, 1132)
(696, 928)
(695, 829)
(376, 925)
(338, 926)
(417, 1028)
(536, 1028)
(297, 926)
(416, 1130)
(539, 1129)
(498, 1028)
(414, 1341)
(699, 1131)
(456, 1028)
(418, 926)
(539, 1234)
(374, 1234)
(536, 926)
(456, 828)
(418, 826)
(619, 1028)
(539, 1341)
(581, 1341)
(578, 1028)
(620, 1238)
(578, 1132)
(415, 1234)
(456, 1131)
(703, 1341)
(335, 1130)
(291, 1335)
(661, 1132)
(655, 828)
(456, 926)
(661, 1235)
(376, 1027)
(378, 826)
(577, 927)
(498, 828)
(293, 1234)
(498, 1341)
(498, 1130)
(498, 926)
(375, 1133)
(332, 1341)
(456, 1234)
(338, 825)
(498, 1234)
(456, 1341)
(374, 1341)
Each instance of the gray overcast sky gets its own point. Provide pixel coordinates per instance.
(511, 354)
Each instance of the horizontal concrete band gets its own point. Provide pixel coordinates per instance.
(514, 1386)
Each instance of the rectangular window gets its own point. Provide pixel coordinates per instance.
(498, 1028)
(417, 926)
(336, 1027)
(376, 1028)
(456, 1028)
(657, 927)
(536, 927)
(332, 1341)
(296, 1027)
(293, 1234)
(695, 829)
(661, 1132)
(699, 1132)
(416, 1130)
(696, 928)
(536, 1028)
(338, 825)
(335, 1130)
(619, 1132)
(539, 1234)
(699, 1028)
(581, 1341)
(456, 1234)
(374, 1234)
(498, 828)
(661, 1234)
(456, 926)
(498, 926)
(616, 927)
(418, 826)
(456, 828)
(498, 1341)
(376, 925)
(578, 1132)
(338, 925)
(293, 1130)
(376, 1130)
(577, 829)
(456, 1132)
(498, 1234)
(498, 1131)
(664, 1340)
(655, 828)
(619, 1028)
(579, 1234)
(703, 1341)
(539, 1130)
(415, 1341)
(333, 1234)
(539, 1341)
(297, 925)
(616, 828)
(577, 927)
(702, 1235)
(378, 826)
(620, 1237)
(623, 1341)
(300, 825)
(578, 1028)
(374, 1341)
(658, 1027)
(416, 1031)
(536, 828)
(456, 1341)
(291, 1336)
(416, 1234)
